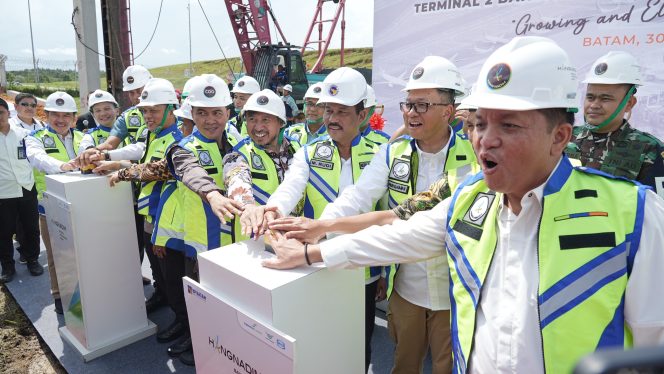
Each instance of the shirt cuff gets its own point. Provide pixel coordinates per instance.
(333, 254)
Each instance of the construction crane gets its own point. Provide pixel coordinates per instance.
(323, 44)
(260, 56)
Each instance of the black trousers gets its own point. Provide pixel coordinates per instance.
(139, 233)
(369, 321)
(24, 210)
(157, 274)
(173, 269)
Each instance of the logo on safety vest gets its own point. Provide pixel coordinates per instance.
(400, 170)
(49, 142)
(323, 151)
(478, 210)
(134, 120)
(205, 159)
(498, 76)
(209, 91)
(257, 162)
(601, 68)
(418, 72)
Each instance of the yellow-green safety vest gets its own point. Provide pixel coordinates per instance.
(203, 230)
(376, 136)
(588, 236)
(324, 170)
(169, 221)
(264, 176)
(101, 133)
(133, 120)
(240, 125)
(148, 198)
(54, 147)
(298, 132)
(403, 162)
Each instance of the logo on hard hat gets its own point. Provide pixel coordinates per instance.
(209, 91)
(60, 102)
(144, 95)
(499, 76)
(240, 84)
(262, 100)
(130, 79)
(98, 95)
(601, 68)
(418, 72)
(317, 90)
(334, 90)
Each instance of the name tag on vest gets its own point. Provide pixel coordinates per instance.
(322, 164)
(398, 187)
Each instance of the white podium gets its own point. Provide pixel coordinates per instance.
(241, 314)
(93, 236)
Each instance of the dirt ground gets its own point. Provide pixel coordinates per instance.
(21, 349)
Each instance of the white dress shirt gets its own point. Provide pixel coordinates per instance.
(291, 190)
(507, 337)
(34, 126)
(423, 283)
(132, 152)
(15, 170)
(40, 160)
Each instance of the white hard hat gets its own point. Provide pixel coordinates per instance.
(266, 101)
(246, 85)
(436, 72)
(184, 111)
(344, 86)
(616, 67)
(186, 90)
(288, 88)
(527, 73)
(135, 76)
(314, 91)
(463, 103)
(466, 92)
(209, 91)
(60, 102)
(370, 99)
(158, 91)
(100, 96)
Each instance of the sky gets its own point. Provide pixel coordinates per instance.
(54, 38)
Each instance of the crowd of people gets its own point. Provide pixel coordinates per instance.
(505, 238)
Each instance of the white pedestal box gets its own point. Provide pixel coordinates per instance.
(320, 312)
(93, 236)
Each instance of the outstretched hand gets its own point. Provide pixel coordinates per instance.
(290, 252)
(223, 207)
(303, 229)
(255, 219)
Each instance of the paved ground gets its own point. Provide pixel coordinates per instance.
(146, 356)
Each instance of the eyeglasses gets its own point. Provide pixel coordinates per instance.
(28, 105)
(419, 107)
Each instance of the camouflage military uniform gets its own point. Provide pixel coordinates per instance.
(626, 152)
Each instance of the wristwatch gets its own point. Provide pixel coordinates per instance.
(107, 156)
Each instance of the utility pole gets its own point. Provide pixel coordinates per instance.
(85, 19)
(3, 74)
(117, 46)
(191, 68)
(32, 42)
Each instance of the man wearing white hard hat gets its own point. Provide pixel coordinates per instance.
(322, 170)
(104, 108)
(376, 136)
(183, 113)
(419, 305)
(243, 88)
(313, 126)
(288, 100)
(258, 163)
(607, 141)
(547, 262)
(53, 150)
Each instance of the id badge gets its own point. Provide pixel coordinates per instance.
(21, 153)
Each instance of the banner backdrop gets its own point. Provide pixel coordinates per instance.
(468, 31)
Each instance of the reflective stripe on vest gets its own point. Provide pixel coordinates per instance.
(375, 136)
(324, 171)
(588, 236)
(264, 177)
(148, 198)
(203, 230)
(54, 147)
(168, 224)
